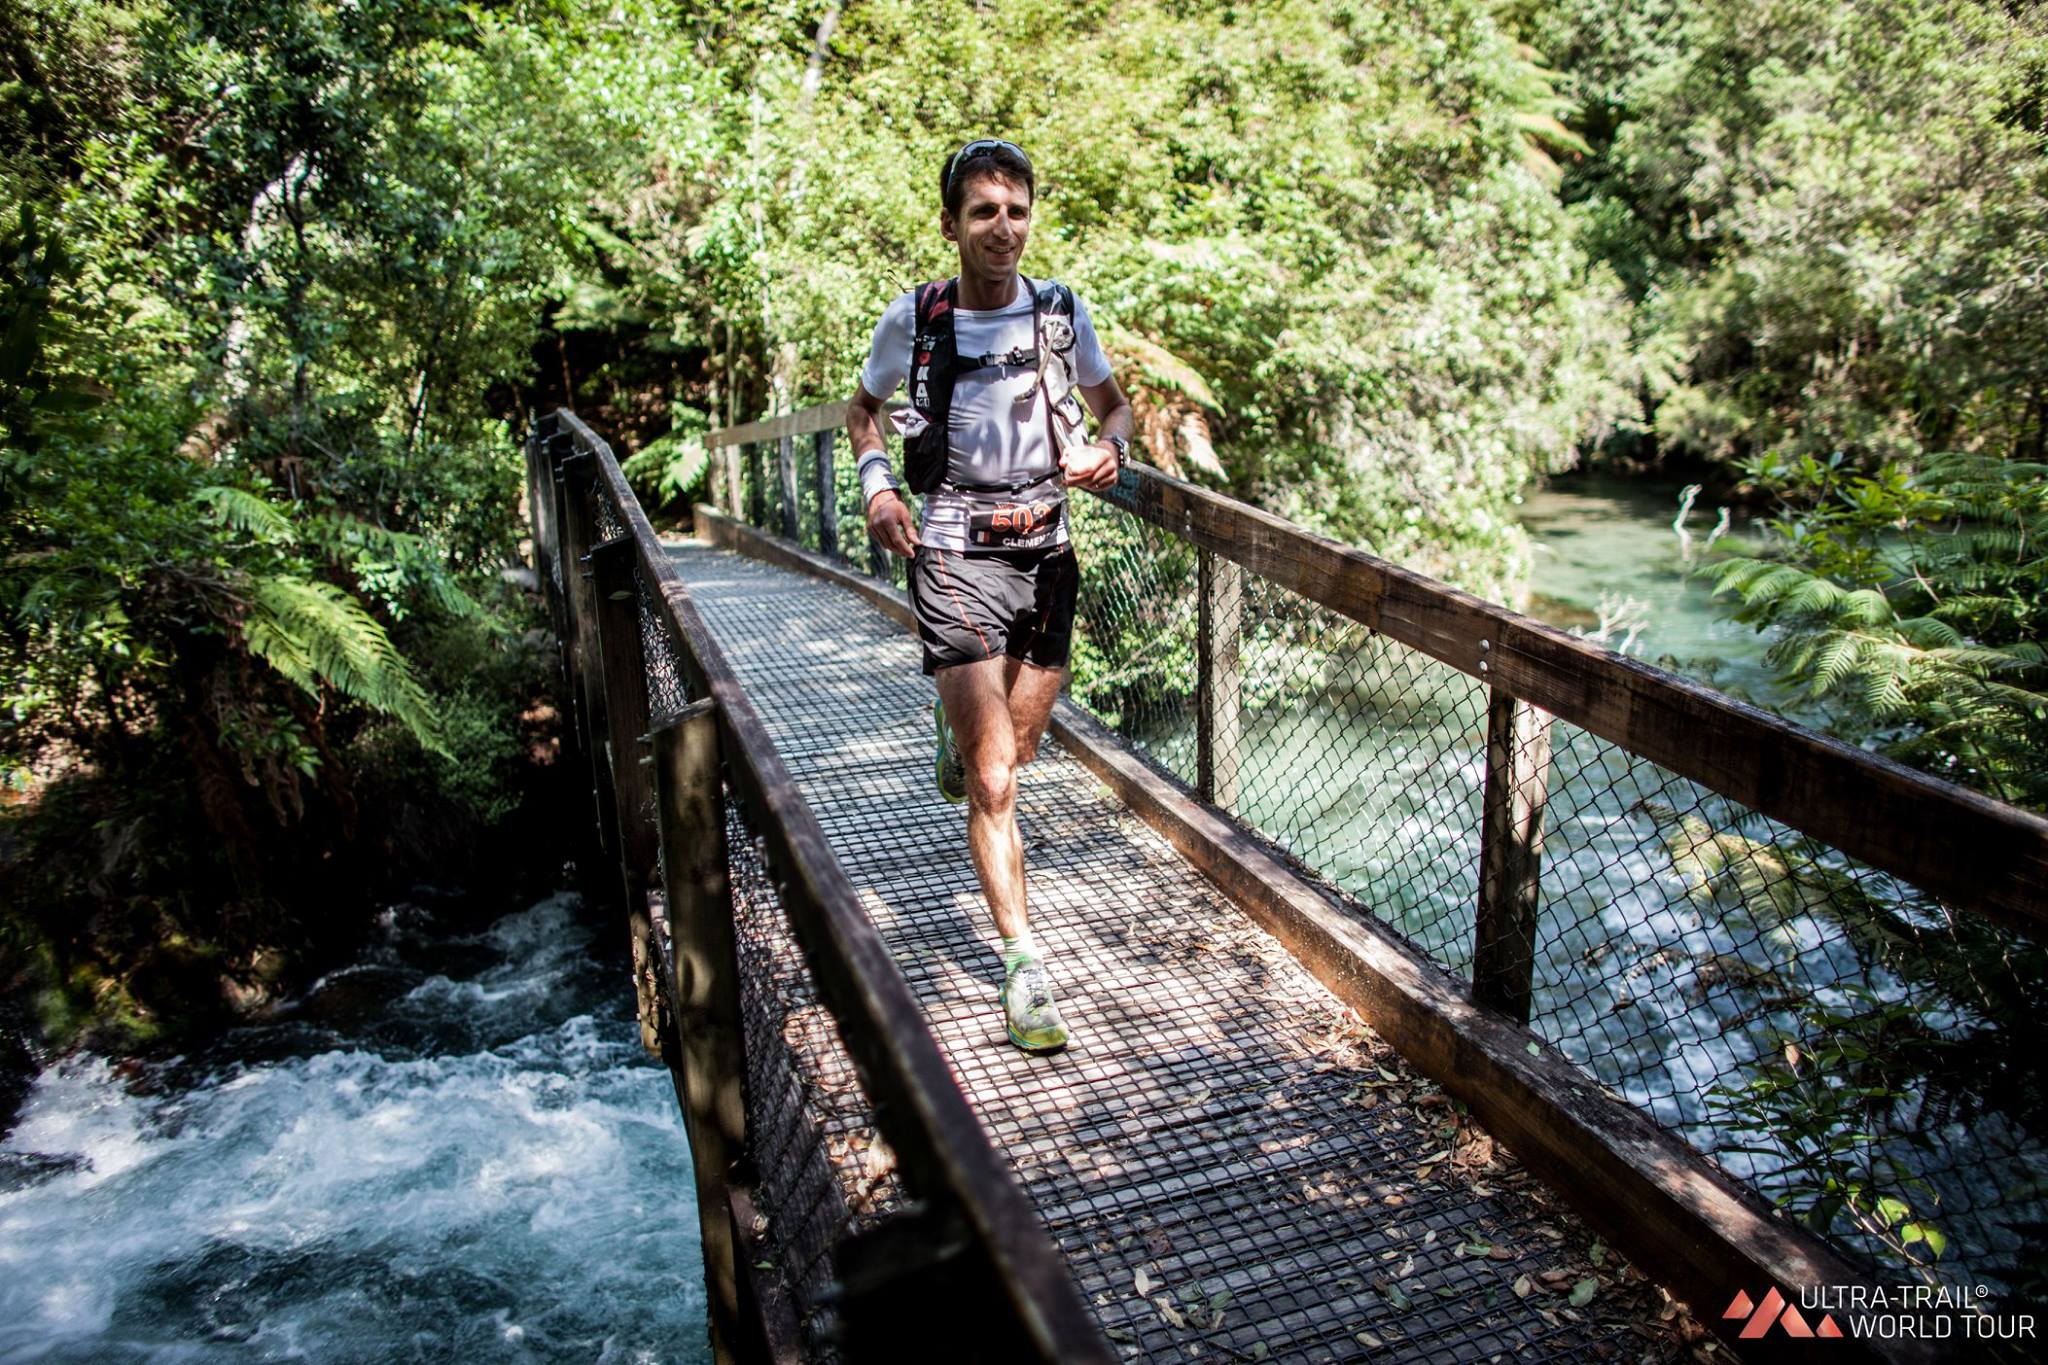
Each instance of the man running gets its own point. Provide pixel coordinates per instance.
(993, 438)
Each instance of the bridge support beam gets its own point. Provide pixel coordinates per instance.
(622, 669)
(913, 1288)
(1510, 855)
(709, 1037)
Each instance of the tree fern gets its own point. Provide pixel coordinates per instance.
(314, 633)
(1917, 601)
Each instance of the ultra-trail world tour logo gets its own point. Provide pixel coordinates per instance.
(1878, 1312)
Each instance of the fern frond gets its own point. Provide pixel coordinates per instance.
(1864, 607)
(1813, 593)
(349, 542)
(314, 633)
(1161, 366)
(249, 513)
(1883, 693)
(1978, 660)
(1969, 605)
(669, 465)
(1838, 653)
(1928, 632)
(1737, 572)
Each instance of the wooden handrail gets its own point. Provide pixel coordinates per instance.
(803, 422)
(945, 1157)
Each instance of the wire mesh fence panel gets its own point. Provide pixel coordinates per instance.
(1362, 758)
(1858, 1052)
(821, 1170)
(1135, 632)
(668, 687)
(807, 495)
(1861, 1053)
(805, 1110)
(605, 516)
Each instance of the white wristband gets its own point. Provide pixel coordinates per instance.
(875, 475)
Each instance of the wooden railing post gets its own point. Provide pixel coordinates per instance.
(547, 523)
(828, 494)
(730, 454)
(554, 448)
(757, 491)
(536, 505)
(1219, 681)
(622, 671)
(1510, 855)
(690, 807)
(785, 470)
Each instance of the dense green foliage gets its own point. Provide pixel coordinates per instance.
(268, 262)
(1331, 226)
(1832, 220)
(1910, 603)
(278, 278)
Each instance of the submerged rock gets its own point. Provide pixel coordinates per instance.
(19, 1170)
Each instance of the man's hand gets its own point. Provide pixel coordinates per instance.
(891, 524)
(1092, 466)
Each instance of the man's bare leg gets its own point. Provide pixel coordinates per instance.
(978, 710)
(1032, 691)
(997, 709)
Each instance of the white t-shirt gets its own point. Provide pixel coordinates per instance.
(1001, 432)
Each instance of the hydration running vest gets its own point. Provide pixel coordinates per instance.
(936, 364)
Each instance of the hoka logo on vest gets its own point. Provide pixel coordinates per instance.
(1774, 1309)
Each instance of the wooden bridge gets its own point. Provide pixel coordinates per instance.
(1312, 1112)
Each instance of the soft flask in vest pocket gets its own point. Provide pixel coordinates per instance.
(1069, 424)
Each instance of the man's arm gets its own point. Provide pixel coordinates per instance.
(1094, 466)
(889, 520)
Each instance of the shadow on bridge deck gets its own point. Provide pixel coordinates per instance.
(1234, 1165)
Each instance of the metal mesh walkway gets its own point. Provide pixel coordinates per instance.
(1234, 1165)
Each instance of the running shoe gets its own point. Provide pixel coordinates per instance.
(952, 770)
(1029, 1014)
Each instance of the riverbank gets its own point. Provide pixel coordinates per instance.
(127, 930)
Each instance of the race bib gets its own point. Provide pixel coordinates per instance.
(1014, 525)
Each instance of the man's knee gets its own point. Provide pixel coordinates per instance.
(992, 786)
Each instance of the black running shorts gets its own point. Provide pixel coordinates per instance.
(971, 607)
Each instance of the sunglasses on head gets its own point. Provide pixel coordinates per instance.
(979, 145)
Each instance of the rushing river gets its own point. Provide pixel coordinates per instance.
(453, 1150)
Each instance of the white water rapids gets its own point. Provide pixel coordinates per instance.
(455, 1150)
